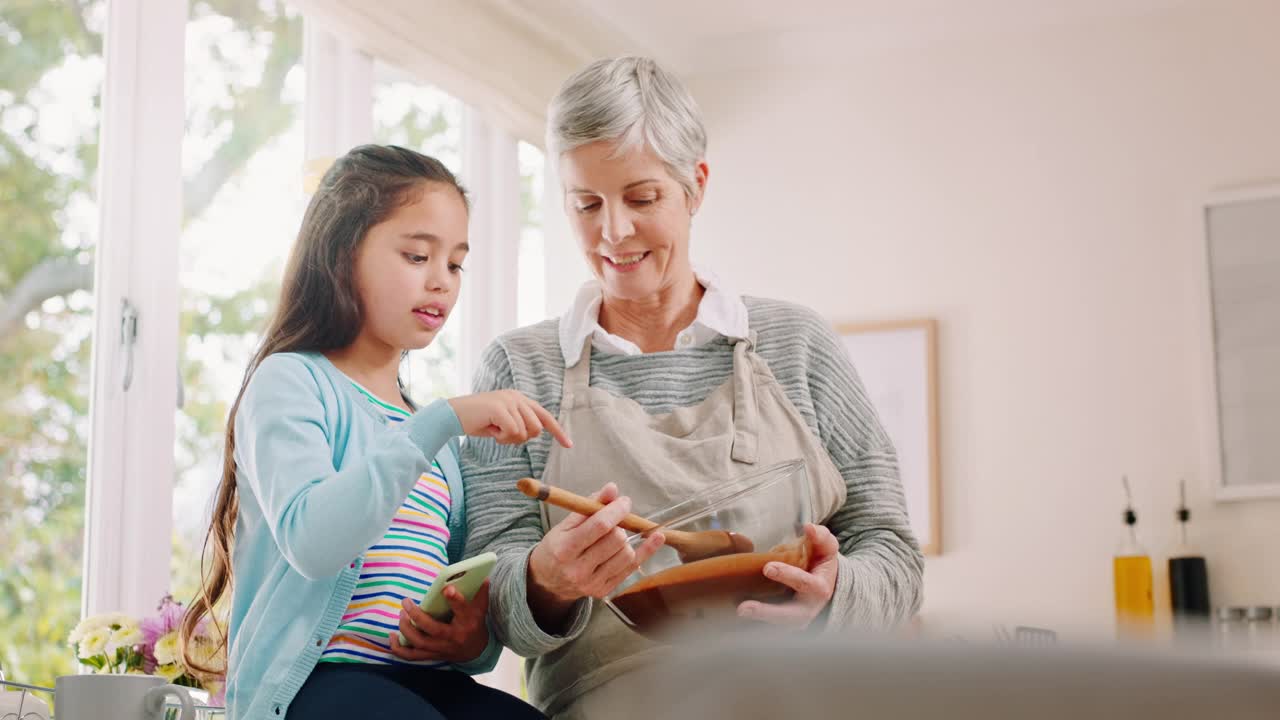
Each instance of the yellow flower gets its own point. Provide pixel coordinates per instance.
(170, 672)
(84, 626)
(125, 637)
(166, 650)
(94, 642)
(207, 653)
(117, 621)
(110, 621)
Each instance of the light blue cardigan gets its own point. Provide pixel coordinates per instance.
(320, 474)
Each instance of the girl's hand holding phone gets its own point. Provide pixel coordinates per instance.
(460, 639)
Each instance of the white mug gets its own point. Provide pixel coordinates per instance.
(117, 697)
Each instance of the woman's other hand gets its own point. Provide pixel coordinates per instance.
(813, 588)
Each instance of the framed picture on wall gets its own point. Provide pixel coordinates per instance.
(1242, 344)
(898, 365)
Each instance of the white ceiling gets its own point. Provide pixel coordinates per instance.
(508, 57)
(698, 36)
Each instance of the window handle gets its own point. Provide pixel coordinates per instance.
(128, 338)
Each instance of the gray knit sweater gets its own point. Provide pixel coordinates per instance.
(879, 581)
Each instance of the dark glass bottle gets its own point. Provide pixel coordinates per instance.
(1188, 581)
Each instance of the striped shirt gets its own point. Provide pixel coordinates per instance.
(401, 565)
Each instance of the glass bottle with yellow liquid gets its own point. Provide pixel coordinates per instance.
(1135, 605)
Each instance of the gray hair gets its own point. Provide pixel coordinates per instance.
(630, 101)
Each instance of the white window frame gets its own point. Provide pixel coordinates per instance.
(491, 173)
(564, 268)
(337, 109)
(129, 497)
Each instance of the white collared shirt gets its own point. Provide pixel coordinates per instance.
(720, 312)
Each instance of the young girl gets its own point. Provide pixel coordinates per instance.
(344, 500)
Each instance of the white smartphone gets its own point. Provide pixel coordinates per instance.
(465, 575)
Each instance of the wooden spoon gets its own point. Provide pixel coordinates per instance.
(690, 545)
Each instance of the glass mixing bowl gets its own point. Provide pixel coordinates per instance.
(694, 583)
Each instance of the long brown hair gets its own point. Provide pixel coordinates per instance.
(318, 310)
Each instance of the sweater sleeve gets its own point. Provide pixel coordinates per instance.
(487, 660)
(502, 520)
(320, 517)
(881, 567)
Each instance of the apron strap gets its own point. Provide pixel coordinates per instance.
(745, 412)
(577, 378)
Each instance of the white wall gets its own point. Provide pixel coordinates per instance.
(1039, 196)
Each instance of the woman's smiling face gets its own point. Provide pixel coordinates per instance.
(631, 217)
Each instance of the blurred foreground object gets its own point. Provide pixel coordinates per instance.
(772, 676)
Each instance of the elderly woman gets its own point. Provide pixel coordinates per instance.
(650, 372)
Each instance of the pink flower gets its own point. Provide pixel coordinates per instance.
(167, 619)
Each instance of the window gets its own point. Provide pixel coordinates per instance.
(243, 198)
(49, 110)
(420, 117)
(532, 284)
(243, 201)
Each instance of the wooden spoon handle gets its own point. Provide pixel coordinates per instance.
(576, 503)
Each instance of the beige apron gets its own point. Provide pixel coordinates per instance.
(747, 423)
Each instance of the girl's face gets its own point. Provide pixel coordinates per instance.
(409, 268)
